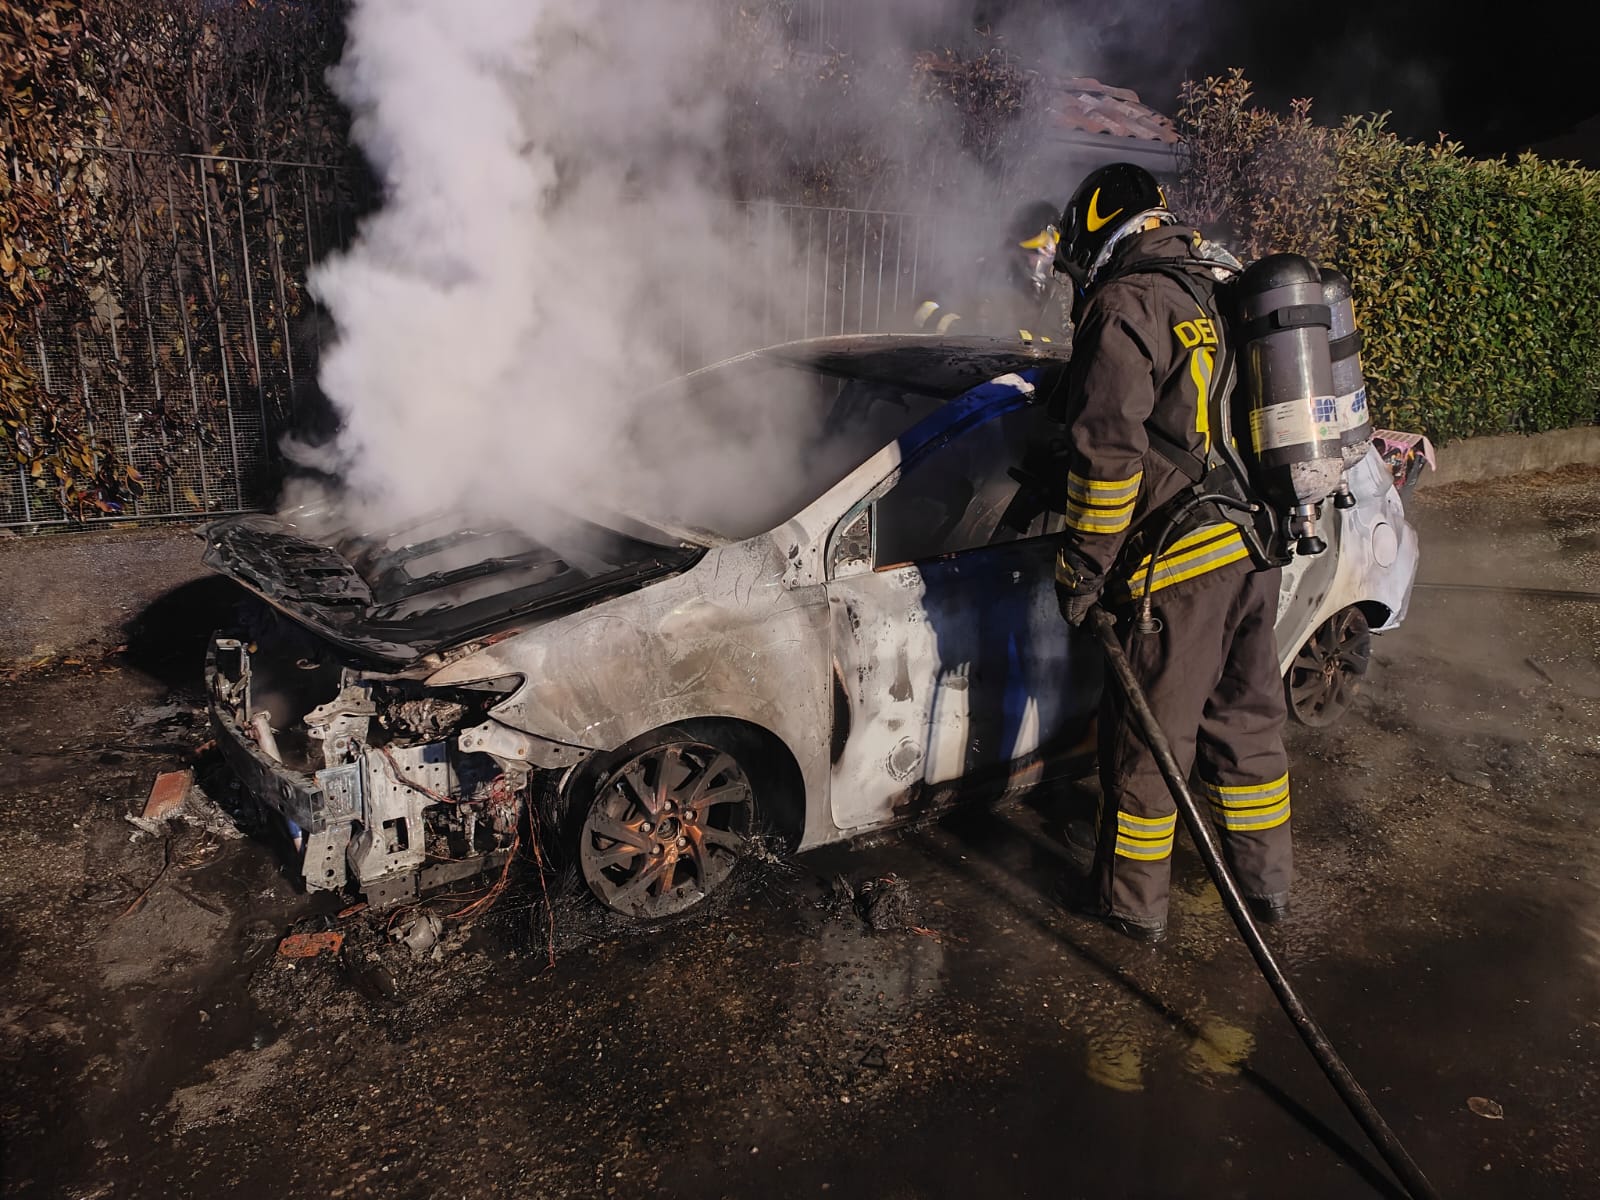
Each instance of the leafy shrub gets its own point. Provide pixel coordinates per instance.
(1477, 283)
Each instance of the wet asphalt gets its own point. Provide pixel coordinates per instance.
(987, 1043)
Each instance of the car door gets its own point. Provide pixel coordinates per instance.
(953, 670)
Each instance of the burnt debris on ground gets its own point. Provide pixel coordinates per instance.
(934, 1021)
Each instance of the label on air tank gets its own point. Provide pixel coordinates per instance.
(1353, 409)
(1296, 423)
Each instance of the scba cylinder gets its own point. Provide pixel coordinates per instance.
(1349, 385)
(1287, 372)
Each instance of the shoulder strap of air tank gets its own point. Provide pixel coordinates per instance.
(1223, 464)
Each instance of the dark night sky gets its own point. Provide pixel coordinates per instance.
(1495, 77)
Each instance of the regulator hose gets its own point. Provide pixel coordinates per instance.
(1205, 840)
(1146, 623)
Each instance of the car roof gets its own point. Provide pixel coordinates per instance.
(934, 365)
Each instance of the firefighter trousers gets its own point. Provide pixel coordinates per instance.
(1211, 676)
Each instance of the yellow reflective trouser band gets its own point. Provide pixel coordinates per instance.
(1103, 491)
(1190, 556)
(924, 310)
(946, 321)
(1250, 807)
(1101, 505)
(1145, 838)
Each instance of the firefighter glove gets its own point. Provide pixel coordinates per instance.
(1077, 590)
(1074, 606)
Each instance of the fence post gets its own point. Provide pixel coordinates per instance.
(150, 337)
(250, 312)
(222, 329)
(181, 295)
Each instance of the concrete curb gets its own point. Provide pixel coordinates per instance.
(1513, 453)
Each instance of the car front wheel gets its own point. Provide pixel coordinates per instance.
(665, 825)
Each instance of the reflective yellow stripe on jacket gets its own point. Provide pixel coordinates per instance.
(1250, 807)
(1192, 555)
(1101, 505)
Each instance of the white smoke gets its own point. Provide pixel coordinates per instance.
(548, 179)
(556, 235)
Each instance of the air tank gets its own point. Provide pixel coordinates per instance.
(1349, 386)
(1287, 372)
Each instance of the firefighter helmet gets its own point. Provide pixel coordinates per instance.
(1102, 207)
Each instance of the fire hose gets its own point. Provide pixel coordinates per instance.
(1205, 839)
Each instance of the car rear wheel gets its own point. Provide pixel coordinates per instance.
(665, 825)
(1326, 674)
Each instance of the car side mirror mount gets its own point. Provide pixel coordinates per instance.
(850, 552)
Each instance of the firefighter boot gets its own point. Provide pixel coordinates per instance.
(1269, 910)
(1081, 895)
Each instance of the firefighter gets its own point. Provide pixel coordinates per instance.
(1138, 406)
(1013, 294)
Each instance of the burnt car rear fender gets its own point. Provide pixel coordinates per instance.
(1371, 562)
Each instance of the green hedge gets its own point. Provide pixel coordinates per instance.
(1477, 283)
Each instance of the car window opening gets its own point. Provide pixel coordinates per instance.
(954, 499)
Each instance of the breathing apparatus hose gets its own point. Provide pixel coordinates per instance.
(1147, 623)
(1205, 840)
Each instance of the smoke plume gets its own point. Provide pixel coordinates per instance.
(558, 233)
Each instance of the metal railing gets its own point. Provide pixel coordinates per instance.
(824, 271)
(189, 348)
(196, 348)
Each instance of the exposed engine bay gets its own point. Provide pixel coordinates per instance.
(373, 773)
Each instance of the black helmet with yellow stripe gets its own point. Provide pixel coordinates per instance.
(1103, 206)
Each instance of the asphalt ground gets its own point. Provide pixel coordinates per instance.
(983, 1043)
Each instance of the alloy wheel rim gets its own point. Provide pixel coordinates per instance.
(665, 828)
(1327, 671)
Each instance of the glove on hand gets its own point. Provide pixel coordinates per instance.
(1075, 606)
(1076, 589)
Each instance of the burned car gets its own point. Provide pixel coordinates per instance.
(873, 640)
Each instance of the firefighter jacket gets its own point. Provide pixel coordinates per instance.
(1136, 405)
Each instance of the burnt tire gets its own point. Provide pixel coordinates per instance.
(1326, 674)
(660, 825)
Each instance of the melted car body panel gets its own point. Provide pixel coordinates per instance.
(953, 669)
(727, 639)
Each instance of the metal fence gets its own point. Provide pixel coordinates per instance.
(195, 349)
(188, 347)
(825, 271)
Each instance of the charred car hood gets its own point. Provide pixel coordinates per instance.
(396, 597)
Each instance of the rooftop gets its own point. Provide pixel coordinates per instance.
(1081, 104)
(1085, 105)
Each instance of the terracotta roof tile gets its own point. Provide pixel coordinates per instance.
(1083, 104)
(1093, 107)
